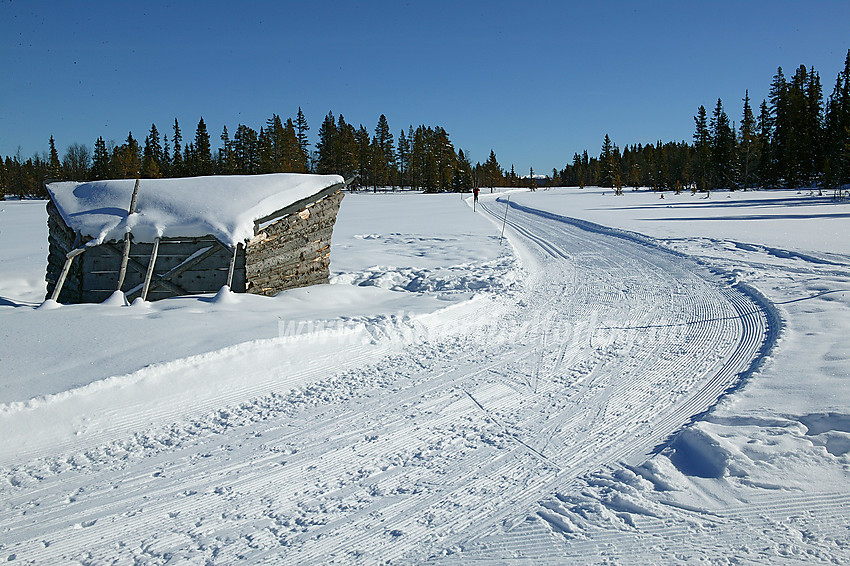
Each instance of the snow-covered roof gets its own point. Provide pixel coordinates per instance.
(225, 206)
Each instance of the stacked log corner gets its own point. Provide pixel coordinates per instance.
(61, 240)
(293, 251)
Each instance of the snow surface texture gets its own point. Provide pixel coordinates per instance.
(224, 206)
(481, 411)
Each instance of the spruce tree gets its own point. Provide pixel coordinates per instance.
(779, 117)
(836, 142)
(225, 154)
(702, 149)
(384, 153)
(446, 159)
(346, 148)
(273, 148)
(266, 146)
(364, 156)
(795, 156)
(606, 159)
(152, 155)
(100, 162)
(326, 146)
(814, 128)
(430, 181)
(54, 167)
(463, 174)
(246, 152)
(166, 157)
(493, 171)
(302, 129)
(411, 159)
(722, 148)
(177, 167)
(189, 162)
(748, 145)
(294, 157)
(127, 159)
(403, 153)
(766, 171)
(202, 151)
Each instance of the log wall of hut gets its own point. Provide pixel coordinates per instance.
(293, 251)
(184, 266)
(61, 240)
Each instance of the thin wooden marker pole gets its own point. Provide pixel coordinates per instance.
(505, 221)
(124, 258)
(134, 197)
(232, 267)
(69, 259)
(149, 272)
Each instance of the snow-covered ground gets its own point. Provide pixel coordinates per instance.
(448, 398)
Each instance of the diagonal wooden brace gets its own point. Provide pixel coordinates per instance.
(139, 268)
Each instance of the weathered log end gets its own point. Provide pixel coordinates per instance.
(293, 251)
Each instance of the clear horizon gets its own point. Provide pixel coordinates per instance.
(535, 82)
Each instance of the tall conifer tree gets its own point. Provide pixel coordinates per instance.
(403, 151)
(722, 148)
(166, 157)
(177, 167)
(606, 159)
(702, 149)
(225, 153)
(100, 162)
(302, 128)
(202, 151)
(152, 155)
(327, 153)
(748, 145)
(54, 167)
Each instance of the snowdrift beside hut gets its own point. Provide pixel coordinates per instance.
(260, 233)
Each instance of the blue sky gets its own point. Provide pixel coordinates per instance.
(534, 81)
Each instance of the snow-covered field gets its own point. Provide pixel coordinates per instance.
(624, 380)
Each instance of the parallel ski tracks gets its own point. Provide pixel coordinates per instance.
(736, 533)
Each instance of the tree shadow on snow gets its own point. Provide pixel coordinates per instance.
(755, 217)
(721, 202)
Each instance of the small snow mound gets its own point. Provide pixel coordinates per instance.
(662, 474)
(830, 430)
(47, 305)
(818, 423)
(697, 453)
(557, 522)
(116, 299)
(140, 303)
(224, 296)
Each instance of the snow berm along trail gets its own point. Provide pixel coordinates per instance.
(604, 349)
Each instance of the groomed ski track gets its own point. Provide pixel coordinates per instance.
(608, 346)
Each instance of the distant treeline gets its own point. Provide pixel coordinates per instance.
(424, 158)
(796, 140)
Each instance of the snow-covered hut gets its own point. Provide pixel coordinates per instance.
(258, 233)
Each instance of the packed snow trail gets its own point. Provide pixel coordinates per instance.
(606, 348)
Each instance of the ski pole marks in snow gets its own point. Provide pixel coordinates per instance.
(443, 448)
